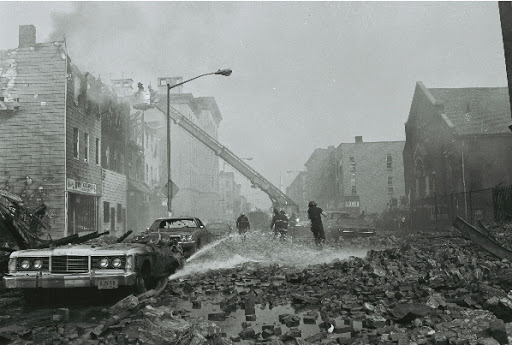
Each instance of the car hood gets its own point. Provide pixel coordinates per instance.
(83, 249)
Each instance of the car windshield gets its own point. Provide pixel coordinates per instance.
(171, 224)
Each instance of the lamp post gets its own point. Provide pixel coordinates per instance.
(224, 72)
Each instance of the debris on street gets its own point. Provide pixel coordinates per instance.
(419, 289)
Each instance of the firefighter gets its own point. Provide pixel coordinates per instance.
(243, 225)
(317, 227)
(284, 225)
(279, 223)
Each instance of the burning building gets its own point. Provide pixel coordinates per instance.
(51, 118)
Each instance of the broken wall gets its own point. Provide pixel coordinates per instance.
(32, 158)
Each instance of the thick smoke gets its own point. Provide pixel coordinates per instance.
(142, 40)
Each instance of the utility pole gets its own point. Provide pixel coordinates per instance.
(505, 8)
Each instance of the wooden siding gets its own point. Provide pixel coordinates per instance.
(32, 163)
(114, 192)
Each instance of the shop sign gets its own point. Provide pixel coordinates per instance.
(353, 203)
(81, 186)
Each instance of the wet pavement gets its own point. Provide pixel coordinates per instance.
(410, 289)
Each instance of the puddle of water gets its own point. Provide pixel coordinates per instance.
(261, 247)
(264, 316)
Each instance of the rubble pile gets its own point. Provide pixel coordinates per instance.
(438, 290)
(425, 291)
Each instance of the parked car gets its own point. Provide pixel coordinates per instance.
(189, 232)
(136, 266)
(220, 229)
(339, 225)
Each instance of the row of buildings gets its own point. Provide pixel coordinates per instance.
(353, 177)
(455, 161)
(96, 155)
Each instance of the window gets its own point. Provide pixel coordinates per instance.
(106, 212)
(119, 212)
(389, 161)
(390, 184)
(86, 147)
(76, 143)
(97, 152)
(352, 164)
(163, 82)
(353, 184)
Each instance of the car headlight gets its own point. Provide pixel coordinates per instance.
(25, 264)
(37, 264)
(103, 263)
(116, 262)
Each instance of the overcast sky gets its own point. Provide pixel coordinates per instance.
(305, 74)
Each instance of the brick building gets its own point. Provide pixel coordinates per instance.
(50, 127)
(457, 150)
(369, 176)
(354, 177)
(319, 168)
(298, 190)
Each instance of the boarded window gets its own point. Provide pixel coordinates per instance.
(390, 184)
(97, 151)
(76, 143)
(106, 211)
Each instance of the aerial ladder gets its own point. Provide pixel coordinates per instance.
(279, 199)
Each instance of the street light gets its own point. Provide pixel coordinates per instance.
(224, 72)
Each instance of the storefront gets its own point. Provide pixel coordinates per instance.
(82, 207)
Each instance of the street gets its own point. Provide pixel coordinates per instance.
(415, 288)
(255, 173)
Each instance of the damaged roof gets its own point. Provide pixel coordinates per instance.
(472, 111)
(21, 70)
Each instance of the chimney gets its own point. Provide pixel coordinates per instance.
(27, 36)
(359, 139)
